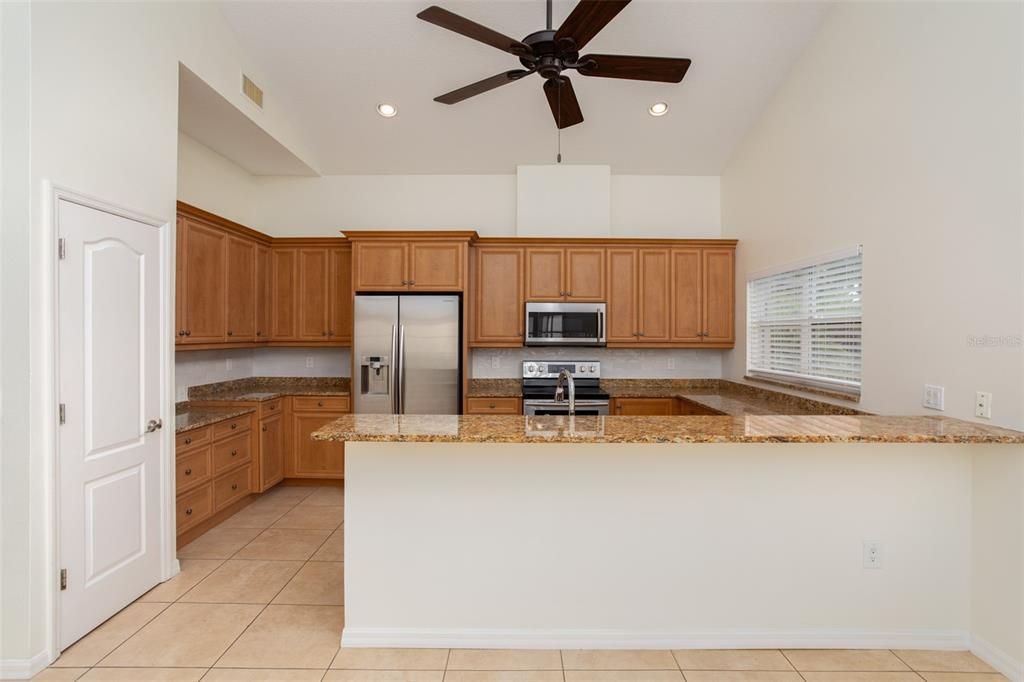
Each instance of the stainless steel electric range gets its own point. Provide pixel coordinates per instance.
(540, 379)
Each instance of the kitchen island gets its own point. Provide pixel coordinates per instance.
(653, 532)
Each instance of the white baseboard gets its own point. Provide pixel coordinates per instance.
(23, 668)
(998, 659)
(631, 639)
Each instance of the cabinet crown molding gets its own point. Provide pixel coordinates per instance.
(414, 235)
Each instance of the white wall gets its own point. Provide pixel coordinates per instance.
(616, 363)
(641, 205)
(196, 367)
(103, 109)
(900, 128)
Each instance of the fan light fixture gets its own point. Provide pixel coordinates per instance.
(658, 109)
(387, 110)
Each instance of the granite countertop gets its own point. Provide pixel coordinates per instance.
(259, 389)
(188, 417)
(614, 429)
(495, 388)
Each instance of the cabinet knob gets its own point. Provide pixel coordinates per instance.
(188, 512)
(188, 332)
(234, 426)
(188, 441)
(263, 428)
(181, 332)
(492, 406)
(188, 472)
(324, 333)
(234, 452)
(234, 486)
(230, 333)
(319, 403)
(259, 333)
(640, 334)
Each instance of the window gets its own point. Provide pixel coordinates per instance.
(804, 322)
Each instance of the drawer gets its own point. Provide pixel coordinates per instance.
(192, 439)
(493, 406)
(194, 507)
(230, 487)
(231, 452)
(192, 469)
(231, 426)
(317, 403)
(271, 407)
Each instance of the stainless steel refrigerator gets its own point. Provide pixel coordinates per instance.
(407, 355)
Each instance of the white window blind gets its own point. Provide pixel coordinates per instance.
(804, 322)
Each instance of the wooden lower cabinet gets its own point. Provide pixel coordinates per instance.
(271, 452)
(493, 406)
(644, 407)
(311, 458)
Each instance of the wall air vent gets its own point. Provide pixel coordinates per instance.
(252, 91)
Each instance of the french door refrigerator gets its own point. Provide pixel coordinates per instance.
(407, 355)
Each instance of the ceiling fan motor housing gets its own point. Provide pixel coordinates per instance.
(549, 58)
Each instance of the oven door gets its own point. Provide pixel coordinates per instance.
(565, 324)
(584, 408)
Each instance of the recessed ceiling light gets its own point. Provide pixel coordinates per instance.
(387, 110)
(658, 109)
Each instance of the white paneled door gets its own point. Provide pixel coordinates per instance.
(109, 442)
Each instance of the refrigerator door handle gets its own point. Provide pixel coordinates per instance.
(394, 370)
(401, 369)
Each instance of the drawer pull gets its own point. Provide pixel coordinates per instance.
(234, 486)
(230, 333)
(492, 406)
(319, 403)
(234, 426)
(188, 440)
(234, 452)
(263, 428)
(188, 472)
(188, 512)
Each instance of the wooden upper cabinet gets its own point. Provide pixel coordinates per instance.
(719, 311)
(687, 315)
(339, 294)
(497, 297)
(584, 274)
(264, 292)
(284, 318)
(544, 276)
(437, 266)
(622, 296)
(654, 294)
(312, 302)
(205, 311)
(180, 290)
(241, 289)
(380, 266)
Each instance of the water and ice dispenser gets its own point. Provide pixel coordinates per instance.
(374, 375)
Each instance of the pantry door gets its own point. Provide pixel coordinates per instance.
(109, 444)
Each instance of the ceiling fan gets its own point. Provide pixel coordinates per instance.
(550, 52)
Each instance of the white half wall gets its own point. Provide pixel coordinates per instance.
(675, 206)
(881, 136)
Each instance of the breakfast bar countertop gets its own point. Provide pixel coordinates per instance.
(616, 429)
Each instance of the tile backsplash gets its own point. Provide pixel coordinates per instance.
(616, 363)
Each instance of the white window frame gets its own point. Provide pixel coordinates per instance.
(805, 377)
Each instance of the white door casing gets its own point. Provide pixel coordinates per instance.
(109, 382)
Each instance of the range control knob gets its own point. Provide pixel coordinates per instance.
(583, 369)
(543, 369)
(531, 368)
(593, 368)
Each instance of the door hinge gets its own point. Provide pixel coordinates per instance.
(63, 578)
(62, 413)
(61, 249)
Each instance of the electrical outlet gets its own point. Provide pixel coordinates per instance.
(872, 555)
(983, 405)
(228, 364)
(934, 397)
(495, 362)
(671, 362)
(180, 393)
(309, 361)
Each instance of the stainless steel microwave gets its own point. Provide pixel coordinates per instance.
(565, 324)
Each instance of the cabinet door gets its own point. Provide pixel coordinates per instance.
(339, 295)
(315, 458)
(263, 292)
(284, 318)
(645, 407)
(655, 298)
(271, 452)
(687, 320)
(312, 304)
(584, 274)
(719, 282)
(241, 292)
(205, 293)
(544, 280)
(622, 296)
(497, 297)
(180, 289)
(380, 266)
(437, 266)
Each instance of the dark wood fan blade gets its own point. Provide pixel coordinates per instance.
(481, 86)
(661, 69)
(561, 96)
(587, 19)
(453, 22)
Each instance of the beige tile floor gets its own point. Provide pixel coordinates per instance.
(260, 597)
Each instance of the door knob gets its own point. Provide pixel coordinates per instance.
(154, 424)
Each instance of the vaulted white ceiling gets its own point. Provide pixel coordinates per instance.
(333, 62)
